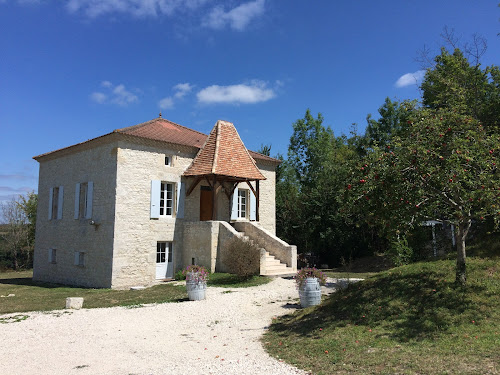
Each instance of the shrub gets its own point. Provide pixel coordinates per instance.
(242, 257)
(400, 252)
(180, 275)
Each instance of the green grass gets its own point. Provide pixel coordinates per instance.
(408, 320)
(227, 280)
(37, 296)
(348, 275)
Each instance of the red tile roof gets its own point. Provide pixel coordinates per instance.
(224, 154)
(167, 131)
(163, 130)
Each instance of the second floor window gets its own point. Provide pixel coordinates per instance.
(166, 199)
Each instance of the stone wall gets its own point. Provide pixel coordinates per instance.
(69, 235)
(136, 234)
(201, 243)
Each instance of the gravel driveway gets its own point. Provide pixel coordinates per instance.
(219, 335)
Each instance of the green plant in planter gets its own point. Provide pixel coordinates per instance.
(304, 273)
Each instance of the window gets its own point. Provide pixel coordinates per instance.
(56, 202)
(52, 256)
(83, 200)
(168, 160)
(163, 249)
(166, 199)
(242, 204)
(163, 195)
(79, 258)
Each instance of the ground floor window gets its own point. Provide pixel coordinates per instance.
(242, 203)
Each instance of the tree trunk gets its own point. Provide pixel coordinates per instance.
(462, 230)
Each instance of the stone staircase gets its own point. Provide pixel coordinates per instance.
(274, 267)
(269, 264)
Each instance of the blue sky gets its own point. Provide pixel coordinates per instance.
(71, 70)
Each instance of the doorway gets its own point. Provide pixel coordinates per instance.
(206, 203)
(164, 261)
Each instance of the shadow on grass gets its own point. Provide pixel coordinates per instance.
(414, 305)
(28, 281)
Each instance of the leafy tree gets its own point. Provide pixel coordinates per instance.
(456, 83)
(443, 167)
(393, 119)
(310, 190)
(309, 148)
(19, 216)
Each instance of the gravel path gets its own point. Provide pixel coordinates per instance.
(219, 335)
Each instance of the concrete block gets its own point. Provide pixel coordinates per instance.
(74, 303)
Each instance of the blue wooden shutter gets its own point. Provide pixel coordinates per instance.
(77, 200)
(234, 205)
(155, 199)
(253, 206)
(90, 195)
(181, 196)
(51, 192)
(60, 203)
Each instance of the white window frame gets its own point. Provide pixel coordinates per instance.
(167, 251)
(80, 258)
(242, 203)
(167, 205)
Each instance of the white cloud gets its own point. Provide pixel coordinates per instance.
(138, 8)
(238, 18)
(409, 79)
(114, 94)
(98, 97)
(256, 91)
(106, 84)
(166, 103)
(122, 96)
(182, 89)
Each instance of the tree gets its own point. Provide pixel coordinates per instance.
(393, 119)
(454, 82)
(309, 192)
(443, 167)
(19, 215)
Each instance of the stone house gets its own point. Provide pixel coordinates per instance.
(135, 205)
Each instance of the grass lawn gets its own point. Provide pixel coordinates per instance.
(35, 296)
(407, 320)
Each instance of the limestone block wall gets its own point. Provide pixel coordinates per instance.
(267, 207)
(201, 243)
(68, 235)
(136, 234)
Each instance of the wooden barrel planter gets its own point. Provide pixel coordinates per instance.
(310, 292)
(196, 289)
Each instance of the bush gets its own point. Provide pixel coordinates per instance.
(180, 275)
(400, 252)
(242, 257)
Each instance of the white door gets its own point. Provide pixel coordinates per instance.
(164, 262)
